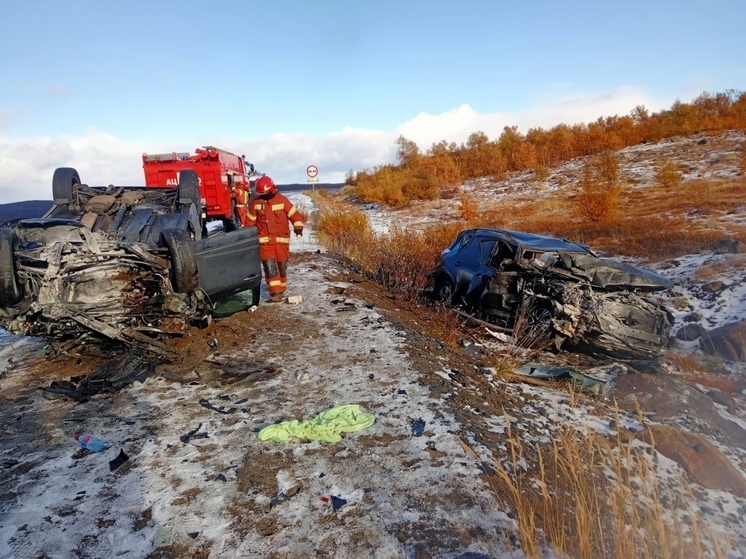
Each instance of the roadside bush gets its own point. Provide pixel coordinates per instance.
(599, 190)
(345, 231)
(541, 172)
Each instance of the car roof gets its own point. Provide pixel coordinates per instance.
(532, 241)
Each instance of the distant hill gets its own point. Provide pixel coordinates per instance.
(305, 186)
(24, 210)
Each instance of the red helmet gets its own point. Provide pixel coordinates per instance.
(265, 185)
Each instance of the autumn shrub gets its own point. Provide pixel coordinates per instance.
(666, 173)
(346, 231)
(384, 186)
(400, 260)
(541, 172)
(420, 187)
(599, 188)
(468, 209)
(403, 260)
(597, 203)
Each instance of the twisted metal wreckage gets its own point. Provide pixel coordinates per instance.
(129, 264)
(557, 291)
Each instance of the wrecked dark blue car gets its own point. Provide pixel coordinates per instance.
(557, 290)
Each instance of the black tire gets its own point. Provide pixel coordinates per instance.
(236, 218)
(62, 184)
(10, 293)
(184, 273)
(189, 188)
(234, 223)
(443, 290)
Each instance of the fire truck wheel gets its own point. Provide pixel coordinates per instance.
(63, 180)
(234, 222)
(189, 188)
(184, 273)
(10, 294)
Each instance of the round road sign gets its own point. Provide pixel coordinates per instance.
(312, 171)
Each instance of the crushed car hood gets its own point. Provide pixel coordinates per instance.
(611, 275)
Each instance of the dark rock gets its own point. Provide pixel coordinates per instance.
(728, 246)
(715, 286)
(702, 142)
(723, 399)
(727, 341)
(693, 317)
(690, 332)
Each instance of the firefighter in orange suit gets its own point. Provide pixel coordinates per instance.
(272, 214)
(241, 192)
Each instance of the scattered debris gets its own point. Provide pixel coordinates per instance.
(194, 434)
(118, 461)
(538, 370)
(337, 503)
(207, 405)
(294, 300)
(111, 376)
(163, 536)
(418, 427)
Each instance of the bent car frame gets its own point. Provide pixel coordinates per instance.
(120, 263)
(557, 288)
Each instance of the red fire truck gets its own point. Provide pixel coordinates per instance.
(220, 174)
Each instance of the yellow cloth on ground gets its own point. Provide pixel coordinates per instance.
(327, 426)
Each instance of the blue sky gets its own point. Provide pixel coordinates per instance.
(290, 83)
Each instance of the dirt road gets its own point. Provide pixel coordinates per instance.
(398, 488)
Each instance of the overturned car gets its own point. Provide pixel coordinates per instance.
(120, 263)
(553, 289)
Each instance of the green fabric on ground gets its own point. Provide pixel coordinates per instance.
(327, 426)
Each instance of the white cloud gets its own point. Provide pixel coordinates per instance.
(26, 166)
(456, 125)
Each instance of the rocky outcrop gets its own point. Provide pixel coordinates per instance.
(670, 399)
(729, 246)
(690, 332)
(729, 341)
(697, 456)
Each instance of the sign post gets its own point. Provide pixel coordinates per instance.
(313, 172)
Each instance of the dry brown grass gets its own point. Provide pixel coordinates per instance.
(588, 496)
(653, 223)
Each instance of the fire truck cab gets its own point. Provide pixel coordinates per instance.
(220, 173)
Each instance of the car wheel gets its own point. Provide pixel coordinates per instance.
(184, 273)
(63, 180)
(10, 293)
(536, 328)
(443, 291)
(539, 317)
